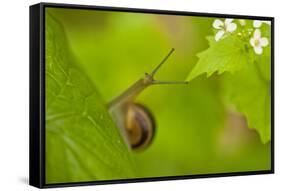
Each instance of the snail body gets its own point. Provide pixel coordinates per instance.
(134, 120)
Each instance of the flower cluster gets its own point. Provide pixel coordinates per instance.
(228, 27)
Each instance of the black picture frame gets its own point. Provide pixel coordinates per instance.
(37, 94)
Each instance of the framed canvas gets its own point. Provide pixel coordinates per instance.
(121, 95)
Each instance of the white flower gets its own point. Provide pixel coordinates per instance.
(223, 27)
(258, 23)
(258, 42)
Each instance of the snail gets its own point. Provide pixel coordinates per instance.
(135, 121)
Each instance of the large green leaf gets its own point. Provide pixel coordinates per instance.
(226, 55)
(249, 90)
(82, 141)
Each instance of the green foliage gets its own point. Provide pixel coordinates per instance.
(226, 55)
(82, 141)
(247, 86)
(250, 93)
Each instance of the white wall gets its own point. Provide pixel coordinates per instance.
(14, 53)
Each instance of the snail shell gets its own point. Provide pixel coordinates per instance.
(140, 126)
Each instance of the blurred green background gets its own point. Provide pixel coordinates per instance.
(197, 133)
